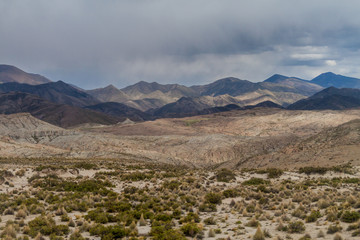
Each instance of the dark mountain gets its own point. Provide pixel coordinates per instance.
(266, 104)
(146, 104)
(120, 111)
(193, 109)
(330, 79)
(226, 108)
(13, 74)
(330, 98)
(109, 94)
(57, 92)
(57, 114)
(184, 107)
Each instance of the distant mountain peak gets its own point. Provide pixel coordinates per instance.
(4, 67)
(329, 79)
(329, 74)
(276, 77)
(110, 86)
(10, 73)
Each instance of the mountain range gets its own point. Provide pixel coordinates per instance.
(65, 105)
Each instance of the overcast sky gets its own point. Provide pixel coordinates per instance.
(96, 43)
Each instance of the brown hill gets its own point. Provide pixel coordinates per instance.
(56, 114)
(120, 111)
(13, 74)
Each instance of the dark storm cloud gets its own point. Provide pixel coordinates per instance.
(94, 43)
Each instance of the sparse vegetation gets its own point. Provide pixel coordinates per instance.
(169, 203)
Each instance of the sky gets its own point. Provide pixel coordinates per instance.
(93, 43)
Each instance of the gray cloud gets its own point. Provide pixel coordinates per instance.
(94, 43)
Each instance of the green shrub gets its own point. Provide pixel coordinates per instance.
(350, 217)
(190, 217)
(163, 217)
(313, 170)
(109, 232)
(274, 172)
(296, 227)
(214, 198)
(166, 233)
(46, 227)
(210, 221)
(225, 175)
(85, 165)
(190, 229)
(207, 207)
(255, 181)
(172, 185)
(230, 193)
(314, 215)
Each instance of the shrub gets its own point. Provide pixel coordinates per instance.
(230, 193)
(76, 235)
(109, 232)
(274, 172)
(210, 221)
(213, 198)
(253, 223)
(314, 215)
(255, 181)
(296, 227)
(84, 165)
(334, 228)
(350, 217)
(313, 170)
(166, 233)
(172, 185)
(46, 226)
(190, 217)
(305, 237)
(225, 175)
(190, 229)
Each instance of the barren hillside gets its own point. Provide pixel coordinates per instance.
(250, 138)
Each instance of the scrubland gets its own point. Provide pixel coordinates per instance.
(114, 199)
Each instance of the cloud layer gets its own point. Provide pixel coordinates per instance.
(94, 43)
